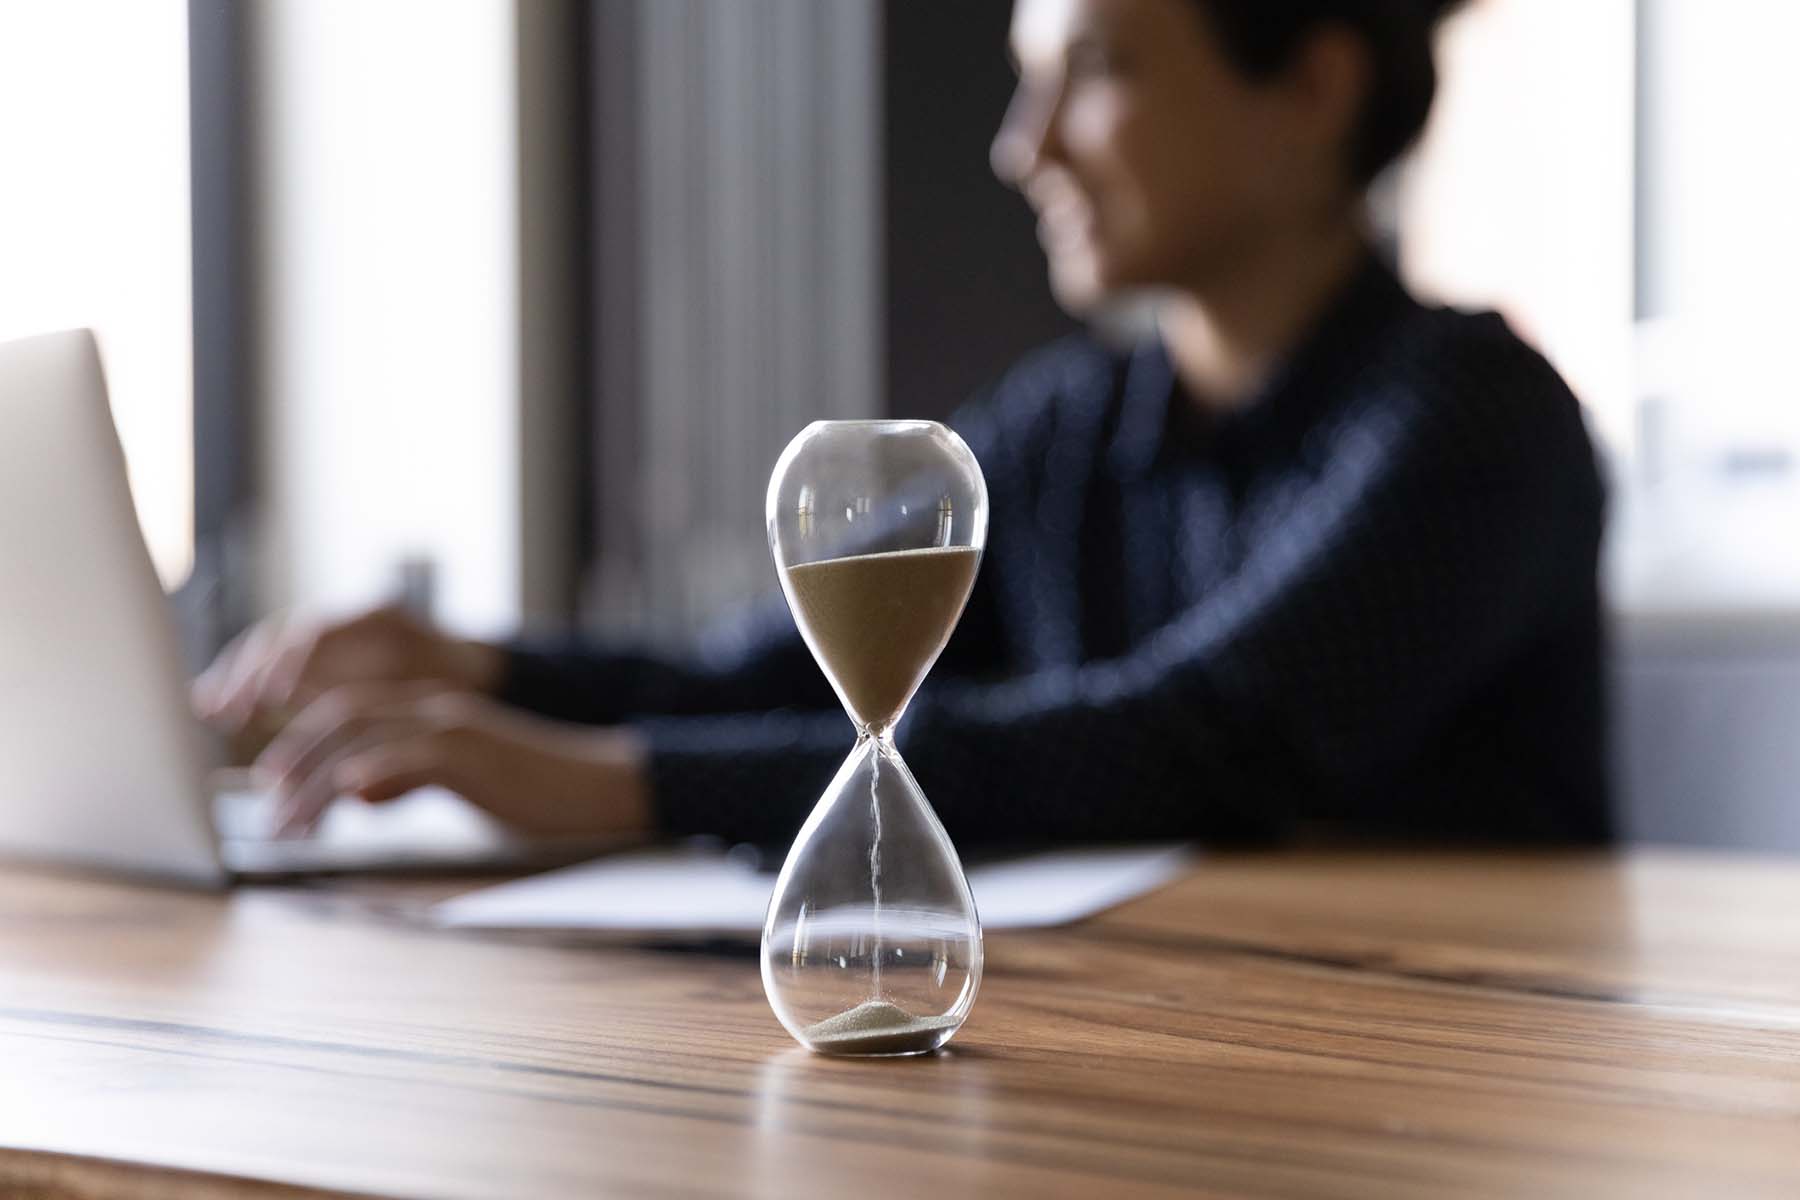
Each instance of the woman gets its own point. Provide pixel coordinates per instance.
(1317, 553)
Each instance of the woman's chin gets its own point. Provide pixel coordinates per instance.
(1078, 282)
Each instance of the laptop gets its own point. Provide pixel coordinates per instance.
(102, 763)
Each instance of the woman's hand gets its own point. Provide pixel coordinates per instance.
(379, 741)
(277, 667)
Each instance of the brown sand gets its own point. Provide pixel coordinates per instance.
(878, 1027)
(879, 620)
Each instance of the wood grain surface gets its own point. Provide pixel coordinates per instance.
(1304, 1024)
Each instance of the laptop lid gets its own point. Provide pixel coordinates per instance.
(101, 763)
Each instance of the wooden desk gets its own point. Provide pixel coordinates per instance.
(1280, 1025)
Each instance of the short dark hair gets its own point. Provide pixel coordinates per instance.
(1261, 37)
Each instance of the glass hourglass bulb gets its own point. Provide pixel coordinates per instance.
(872, 944)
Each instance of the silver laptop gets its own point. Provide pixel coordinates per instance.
(101, 762)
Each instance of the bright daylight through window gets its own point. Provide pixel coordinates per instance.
(94, 225)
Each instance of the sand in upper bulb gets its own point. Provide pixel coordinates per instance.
(878, 1027)
(879, 620)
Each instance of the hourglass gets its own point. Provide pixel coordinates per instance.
(872, 945)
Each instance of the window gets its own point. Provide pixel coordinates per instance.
(94, 223)
(1617, 178)
(1520, 197)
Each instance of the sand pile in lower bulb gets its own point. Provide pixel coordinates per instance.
(878, 1027)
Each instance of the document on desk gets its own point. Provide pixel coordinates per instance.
(689, 892)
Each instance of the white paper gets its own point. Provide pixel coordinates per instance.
(691, 892)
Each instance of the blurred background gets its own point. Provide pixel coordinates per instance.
(505, 307)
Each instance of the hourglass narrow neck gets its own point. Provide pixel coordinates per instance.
(882, 735)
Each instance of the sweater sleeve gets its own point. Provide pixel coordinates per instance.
(1444, 521)
(756, 660)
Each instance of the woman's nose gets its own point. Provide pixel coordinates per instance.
(1026, 136)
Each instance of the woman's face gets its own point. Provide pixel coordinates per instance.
(1149, 160)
